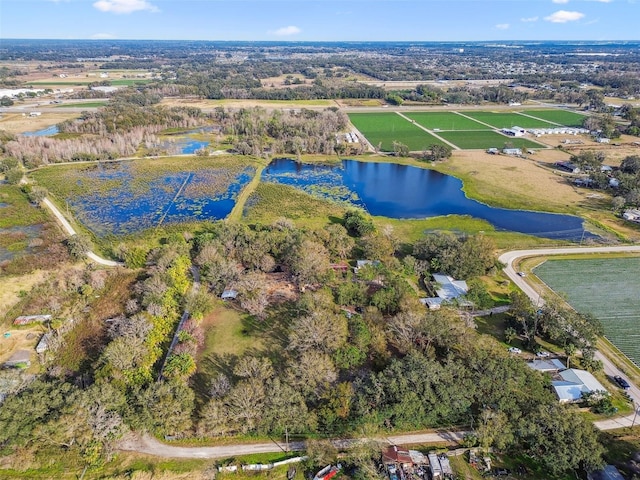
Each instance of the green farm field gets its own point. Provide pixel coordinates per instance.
(485, 139)
(607, 288)
(385, 128)
(508, 120)
(445, 121)
(563, 117)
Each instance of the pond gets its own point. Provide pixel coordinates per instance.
(127, 201)
(401, 191)
(15, 241)
(52, 130)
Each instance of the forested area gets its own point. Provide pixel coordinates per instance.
(353, 353)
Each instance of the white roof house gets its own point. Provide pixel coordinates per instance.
(573, 383)
(448, 290)
(229, 294)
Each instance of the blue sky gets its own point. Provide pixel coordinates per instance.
(322, 20)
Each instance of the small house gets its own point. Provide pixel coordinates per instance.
(573, 383)
(633, 215)
(43, 344)
(27, 319)
(567, 167)
(512, 151)
(547, 366)
(229, 294)
(397, 455)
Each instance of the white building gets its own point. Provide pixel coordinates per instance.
(574, 383)
(447, 290)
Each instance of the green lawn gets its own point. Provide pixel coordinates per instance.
(563, 117)
(83, 105)
(485, 139)
(445, 121)
(385, 128)
(508, 120)
(608, 288)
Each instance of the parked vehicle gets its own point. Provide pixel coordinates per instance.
(622, 382)
(515, 350)
(542, 354)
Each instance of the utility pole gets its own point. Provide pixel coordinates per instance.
(286, 437)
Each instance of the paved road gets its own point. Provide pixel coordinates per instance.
(610, 369)
(71, 231)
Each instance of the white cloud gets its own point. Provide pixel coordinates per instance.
(529, 19)
(563, 16)
(503, 26)
(102, 36)
(124, 6)
(560, 1)
(285, 31)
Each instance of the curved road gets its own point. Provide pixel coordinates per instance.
(610, 369)
(70, 230)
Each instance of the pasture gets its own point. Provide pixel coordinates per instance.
(445, 121)
(385, 128)
(608, 288)
(486, 139)
(467, 130)
(562, 117)
(508, 120)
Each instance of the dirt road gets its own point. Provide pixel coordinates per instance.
(152, 446)
(71, 231)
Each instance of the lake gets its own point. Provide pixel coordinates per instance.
(52, 130)
(402, 191)
(125, 201)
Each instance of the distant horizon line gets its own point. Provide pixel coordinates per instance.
(322, 41)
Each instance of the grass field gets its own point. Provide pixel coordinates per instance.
(606, 288)
(468, 130)
(485, 139)
(563, 117)
(508, 120)
(83, 105)
(385, 128)
(445, 121)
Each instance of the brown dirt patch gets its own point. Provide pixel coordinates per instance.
(10, 288)
(280, 288)
(20, 339)
(20, 123)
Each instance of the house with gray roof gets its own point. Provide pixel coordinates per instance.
(573, 383)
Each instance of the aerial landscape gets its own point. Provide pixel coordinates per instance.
(309, 240)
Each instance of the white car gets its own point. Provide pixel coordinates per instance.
(542, 354)
(515, 350)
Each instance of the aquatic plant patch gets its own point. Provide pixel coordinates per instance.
(125, 197)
